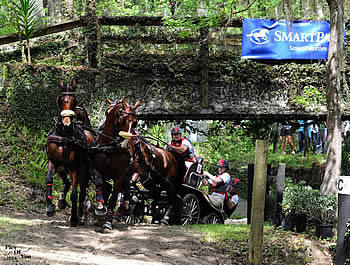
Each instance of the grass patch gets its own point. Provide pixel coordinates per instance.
(9, 225)
(280, 246)
(296, 161)
(237, 216)
(219, 232)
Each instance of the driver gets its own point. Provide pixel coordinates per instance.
(182, 146)
(182, 149)
(219, 183)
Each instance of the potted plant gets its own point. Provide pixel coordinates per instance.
(323, 209)
(295, 205)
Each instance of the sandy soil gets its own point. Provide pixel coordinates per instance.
(46, 240)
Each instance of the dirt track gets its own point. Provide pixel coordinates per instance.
(46, 240)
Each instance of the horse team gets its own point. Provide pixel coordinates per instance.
(117, 152)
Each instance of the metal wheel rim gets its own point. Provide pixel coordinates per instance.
(213, 219)
(190, 214)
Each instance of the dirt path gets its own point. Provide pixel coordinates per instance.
(43, 240)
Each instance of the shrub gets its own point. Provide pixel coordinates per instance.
(296, 199)
(323, 207)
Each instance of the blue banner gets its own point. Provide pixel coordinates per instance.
(275, 39)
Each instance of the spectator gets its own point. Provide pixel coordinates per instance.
(323, 134)
(301, 135)
(345, 129)
(315, 136)
(286, 133)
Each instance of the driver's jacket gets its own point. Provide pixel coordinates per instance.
(221, 188)
(189, 153)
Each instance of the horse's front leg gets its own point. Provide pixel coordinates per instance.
(176, 205)
(101, 209)
(83, 196)
(50, 207)
(62, 203)
(112, 202)
(73, 198)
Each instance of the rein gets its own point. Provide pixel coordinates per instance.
(152, 137)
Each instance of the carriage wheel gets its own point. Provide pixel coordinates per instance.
(212, 218)
(135, 214)
(191, 210)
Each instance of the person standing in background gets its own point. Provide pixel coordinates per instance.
(315, 136)
(286, 133)
(323, 134)
(301, 136)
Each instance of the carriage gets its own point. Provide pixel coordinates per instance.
(197, 207)
(115, 154)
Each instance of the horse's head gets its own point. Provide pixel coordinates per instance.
(122, 115)
(67, 103)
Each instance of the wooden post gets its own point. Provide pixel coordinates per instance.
(279, 193)
(258, 203)
(250, 191)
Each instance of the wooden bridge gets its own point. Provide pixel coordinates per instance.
(190, 83)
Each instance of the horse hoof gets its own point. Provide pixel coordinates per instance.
(99, 222)
(107, 225)
(73, 222)
(82, 221)
(50, 210)
(62, 204)
(101, 212)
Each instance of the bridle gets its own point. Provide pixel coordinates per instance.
(118, 117)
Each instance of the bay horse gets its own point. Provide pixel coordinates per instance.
(156, 167)
(113, 156)
(67, 147)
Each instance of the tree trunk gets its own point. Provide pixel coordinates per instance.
(28, 52)
(92, 33)
(23, 54)
(334, 67)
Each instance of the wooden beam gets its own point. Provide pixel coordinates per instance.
(131, 21)
(69, 25)
(106, 38)
(122, 21)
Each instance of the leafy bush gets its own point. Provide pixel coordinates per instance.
(25, 154)
(323, 207)
(299, 199)
(296, 198)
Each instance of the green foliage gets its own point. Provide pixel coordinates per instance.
(6, 26)
(31, 94)
(26, 20)
(155, 132)
(323, 207)
(218, 232)
(26, 154)
(295, 161)
(312, 96)
(296, 198)
(230, 142)
(303, 82)
(26, 17)
(299, 199)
